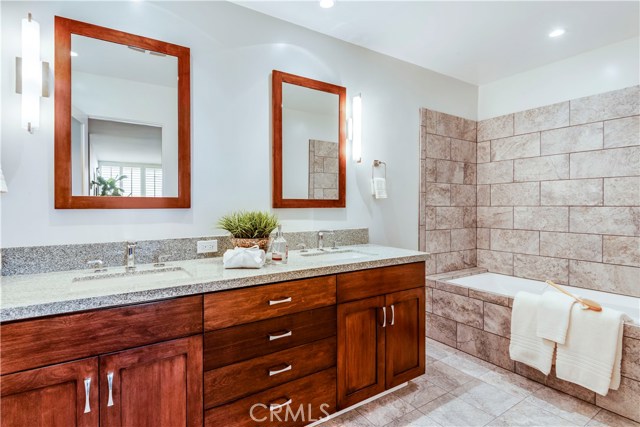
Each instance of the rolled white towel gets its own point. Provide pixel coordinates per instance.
(526, 346)
(554, 312)
(253, 257)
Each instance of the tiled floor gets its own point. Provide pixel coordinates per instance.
(461, 390)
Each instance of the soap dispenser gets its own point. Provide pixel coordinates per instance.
(280, 248)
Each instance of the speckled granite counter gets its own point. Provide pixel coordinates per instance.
(36, 295)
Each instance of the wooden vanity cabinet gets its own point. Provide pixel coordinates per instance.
(381, 330)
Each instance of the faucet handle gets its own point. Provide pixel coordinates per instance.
(161, 260)
(303, 247)
(335, 244)
(97, 265)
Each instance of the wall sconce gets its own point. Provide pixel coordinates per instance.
(355, 128)
(32, 75)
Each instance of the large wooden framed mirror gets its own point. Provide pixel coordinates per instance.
(309, 142)
(122, 120)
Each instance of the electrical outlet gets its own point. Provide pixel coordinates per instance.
(207, 246)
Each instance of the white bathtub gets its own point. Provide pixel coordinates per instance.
(510, 286)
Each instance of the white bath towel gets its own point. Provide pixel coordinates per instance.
(592, 353)
(553, 315)
(526, 346)
(253, 257)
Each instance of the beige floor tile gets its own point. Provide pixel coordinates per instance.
(384, 410)
(574, 410)
(528, 414)
(436, 350)
(349, 419)
(419, 392)
(511, 383)
(605, 418)
(486, 397)
(414, 419)
(468, 364)
(446, 377)
(449, 410)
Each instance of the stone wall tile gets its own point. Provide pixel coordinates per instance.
(438, 241)
(541, 268)
(429, 170)
(484, 152)
(606, 106)
(458, 307)
(452, 261)
(463, 195)
(622, 191)
(541, 218)
(455, 127)
(621, 250)
(483, 195)
(489, 297)
(452, 288)
(572, 139)
(515, 241)
(495, 217)
(449, 172)
(516, 194)
(438, 194)
(631, 358)
(542, 118)
(605, 163)
(544, 168)
(438, 147)
(497, 319)
(483, 238)
(485, 345)
(575, 192)
(515, 147)
(497, 127)
(623, 401)
(621, 221)
(622, 132)
(449, 217)
(463, 151)
(441, 329)
(618, 279)
(463, 239)
(586, 247)
(495, 172)
(496, 262)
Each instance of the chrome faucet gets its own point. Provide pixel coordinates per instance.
(321, 234)
(131, 256)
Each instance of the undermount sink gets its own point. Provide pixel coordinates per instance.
(157, 273)
(337, 254)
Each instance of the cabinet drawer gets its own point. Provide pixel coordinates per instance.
(235, 381)
(226, 346)
(229, 308)
(34, 343)
(307, 399)
(379, 281)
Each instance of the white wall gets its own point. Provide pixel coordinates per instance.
(608, 68)
(233, 52)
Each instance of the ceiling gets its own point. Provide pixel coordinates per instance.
(474, 41)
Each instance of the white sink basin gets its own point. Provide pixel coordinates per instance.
(337, 254)
(162, 273)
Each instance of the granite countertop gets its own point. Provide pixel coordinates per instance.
(35, 295)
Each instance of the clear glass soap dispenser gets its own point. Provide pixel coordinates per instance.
(280, 248)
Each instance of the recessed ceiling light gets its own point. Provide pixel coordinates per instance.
(73, 53)
(557, 32)
(326, 4)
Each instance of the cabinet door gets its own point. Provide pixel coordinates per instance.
(405, 339)
(61, 395)
(155, 386)
(361, 350)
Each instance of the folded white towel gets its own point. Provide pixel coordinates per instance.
(592, 353)
(554, 312)
(526, 346)
(253, 257)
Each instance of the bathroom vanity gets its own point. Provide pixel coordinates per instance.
(232, 348)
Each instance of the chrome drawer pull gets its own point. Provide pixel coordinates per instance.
(87, 389)
(384, 317)
(273, 372)
(280, 301)
(393, 315)
(110, 381)
(277, 337)
(275, 406)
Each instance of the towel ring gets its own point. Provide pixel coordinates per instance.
(377, 163)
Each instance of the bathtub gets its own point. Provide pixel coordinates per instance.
(510, 286)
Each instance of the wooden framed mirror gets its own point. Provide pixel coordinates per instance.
(122, 120)
(309, 142)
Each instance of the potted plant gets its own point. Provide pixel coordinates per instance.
(249, 228)
(109, 186)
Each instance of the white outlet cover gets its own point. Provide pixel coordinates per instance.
(207, 246)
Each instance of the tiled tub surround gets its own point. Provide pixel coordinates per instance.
(478, 322)
(35, 295)
(558, 193)
(447, 190)
(42, 259)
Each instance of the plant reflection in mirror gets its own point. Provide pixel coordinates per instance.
(109, 186)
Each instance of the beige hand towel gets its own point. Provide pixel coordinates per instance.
(592, 354)
(526, 346)
(554, 312)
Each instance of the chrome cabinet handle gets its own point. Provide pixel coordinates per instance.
(87, 389)
(273, 372)
(110, 381)
(384, 317)
(279, 301)
(274, 406)
(273, 337)
(393, 315)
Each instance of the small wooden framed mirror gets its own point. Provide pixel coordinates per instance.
(309, 143)
(122, 120)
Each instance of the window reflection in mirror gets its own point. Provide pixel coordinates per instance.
(310, 135)
(124, 126)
